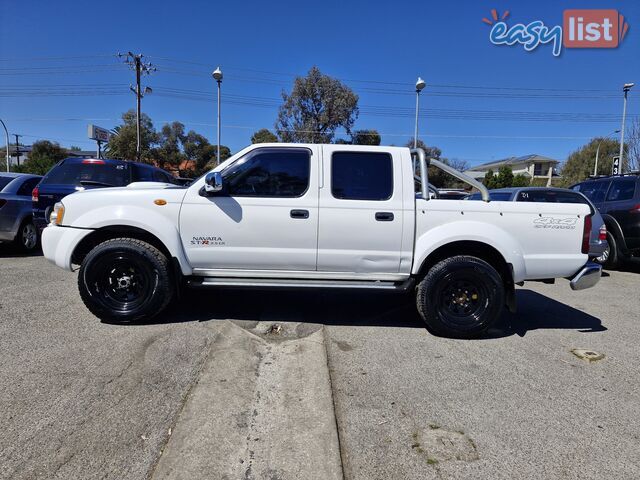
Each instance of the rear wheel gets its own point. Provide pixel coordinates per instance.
(610, 258)
(125, 279)
(27, 238)
(460, 297)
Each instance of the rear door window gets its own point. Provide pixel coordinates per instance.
(361, 176)
(100, 174)
(622, 189)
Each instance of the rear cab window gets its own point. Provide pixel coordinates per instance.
(361, 176)
(96, 172)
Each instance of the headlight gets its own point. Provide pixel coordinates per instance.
(57, 215)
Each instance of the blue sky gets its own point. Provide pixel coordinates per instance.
(471, 104)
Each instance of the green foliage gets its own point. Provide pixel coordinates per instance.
(365, 137)
(197, 148)
(44, 155)
(520, 181)
(122, 144)
(581, 162)
(169, 149)
(316, 107)
(263, 135)
(504, 179)
(169, 154)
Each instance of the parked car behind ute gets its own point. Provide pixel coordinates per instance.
(16, 220)
(76, 174)
(618, 200)
(598, 238)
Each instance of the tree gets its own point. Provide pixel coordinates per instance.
(581, 162)
(365, 137)
(122, 143)
(198, 149)
(75, 148)
(263, 135)
(316, 107)
(44, 155)
(520, 181)
(169, 154)
(504, 179)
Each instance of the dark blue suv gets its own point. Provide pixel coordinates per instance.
(618, 199)
(73, 174)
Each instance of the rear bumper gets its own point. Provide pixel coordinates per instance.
(58, 244)
(586, 277)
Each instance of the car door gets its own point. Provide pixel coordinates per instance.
(265, 218)
(620, 203)
(361, 216)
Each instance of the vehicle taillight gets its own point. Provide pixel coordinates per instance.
(93, 161)
(602, 233)
(34, 194)
(586, 234)
(635, 209)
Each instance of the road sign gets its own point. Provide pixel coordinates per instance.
(98, 133)
(616, 165)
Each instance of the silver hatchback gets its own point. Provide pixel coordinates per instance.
(16, 218)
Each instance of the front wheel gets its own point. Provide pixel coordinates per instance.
(460, 297)
(125, 279)
(27, 238)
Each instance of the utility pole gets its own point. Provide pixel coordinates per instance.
(141, 68)
(625, 90)
(217, 76)
(420, 84)
(6, 136)
(17, 147)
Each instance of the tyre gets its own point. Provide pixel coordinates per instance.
(125, 280)
(460, 297)
(27, 237)
(610, 258)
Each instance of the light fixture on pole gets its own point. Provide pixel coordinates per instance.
(595, 168)
(420, 84)
(626, 87)
(6, 134)
(217, 76)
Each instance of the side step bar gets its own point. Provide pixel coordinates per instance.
(204, 282)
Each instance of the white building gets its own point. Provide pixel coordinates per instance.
(532, 166)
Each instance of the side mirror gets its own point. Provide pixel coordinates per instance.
(213, 182)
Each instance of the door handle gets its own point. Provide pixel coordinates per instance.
(384, 216)
(299, 213)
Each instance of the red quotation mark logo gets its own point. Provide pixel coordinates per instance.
(593, 28)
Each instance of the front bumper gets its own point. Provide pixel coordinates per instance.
(587, 277)
(59, 243)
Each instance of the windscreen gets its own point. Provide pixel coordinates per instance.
(74, 173)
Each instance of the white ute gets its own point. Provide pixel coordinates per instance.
(299, 215)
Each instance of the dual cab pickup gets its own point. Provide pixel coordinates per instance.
(298, 215)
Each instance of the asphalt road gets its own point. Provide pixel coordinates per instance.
(315, 385)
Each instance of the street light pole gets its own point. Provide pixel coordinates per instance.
(595, 168)
(420, 84)
(6, 136)
(625, 89)
(217, 76)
